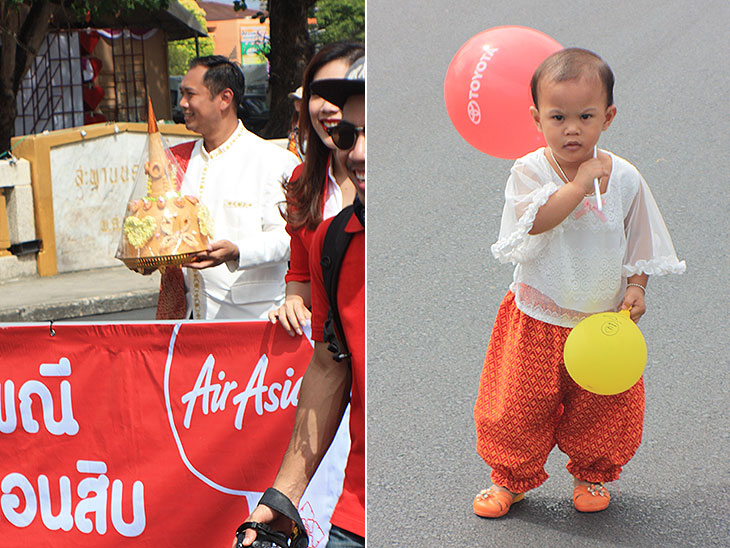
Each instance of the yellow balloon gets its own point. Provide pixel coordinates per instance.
(605, 353)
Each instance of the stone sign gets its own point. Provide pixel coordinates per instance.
(92, 182)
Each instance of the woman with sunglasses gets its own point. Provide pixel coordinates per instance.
(320, 187)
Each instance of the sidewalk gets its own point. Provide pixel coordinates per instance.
(76, 294)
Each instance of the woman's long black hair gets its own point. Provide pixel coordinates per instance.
(304, 195)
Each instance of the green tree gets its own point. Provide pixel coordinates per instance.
(339, 20)
(181, 52)
(23, 26)
(292, 47)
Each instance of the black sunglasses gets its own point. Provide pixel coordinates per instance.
(345, 134)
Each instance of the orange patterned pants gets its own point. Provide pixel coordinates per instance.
(527, 403)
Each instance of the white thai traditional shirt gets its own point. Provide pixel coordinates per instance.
(579, 267)
(241, 184)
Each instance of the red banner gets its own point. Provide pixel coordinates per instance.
(155, 434)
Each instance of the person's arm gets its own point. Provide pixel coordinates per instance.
(268, 245)
(635, 297)
(295, 310)
(323, 397)
(271, 244)
(218, 252)
(567, 197)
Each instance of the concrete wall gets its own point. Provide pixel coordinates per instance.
(81, 181)
(17, 218)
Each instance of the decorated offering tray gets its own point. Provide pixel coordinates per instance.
(141, 263)
(161, 226)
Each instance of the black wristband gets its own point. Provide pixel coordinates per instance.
(278, 501)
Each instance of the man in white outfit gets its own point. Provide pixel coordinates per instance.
(238, 176)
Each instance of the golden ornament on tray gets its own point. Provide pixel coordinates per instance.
(162, 227)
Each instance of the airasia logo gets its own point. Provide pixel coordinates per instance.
(473, 110)
(212, 396)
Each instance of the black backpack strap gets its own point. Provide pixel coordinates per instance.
(336, 241)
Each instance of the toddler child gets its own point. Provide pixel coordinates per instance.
(573, 259)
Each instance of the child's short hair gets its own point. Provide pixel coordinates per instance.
(570, 64)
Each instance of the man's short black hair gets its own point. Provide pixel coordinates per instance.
(222, 74)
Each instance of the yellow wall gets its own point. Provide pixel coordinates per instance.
(226, 35)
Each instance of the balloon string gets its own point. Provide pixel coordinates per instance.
(596, 186)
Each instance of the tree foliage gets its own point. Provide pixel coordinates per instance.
(181, 52)
(340, 20)
(292, 45)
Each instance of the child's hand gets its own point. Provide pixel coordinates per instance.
(634, 299)
(589, 170)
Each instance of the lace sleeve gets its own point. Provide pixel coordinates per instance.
(524, 196)
(649, 248)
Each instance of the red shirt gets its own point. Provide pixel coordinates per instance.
(301, 238)
(349, 513)
(301, 241)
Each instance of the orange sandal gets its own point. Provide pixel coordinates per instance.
(493, 503)
(591, 498)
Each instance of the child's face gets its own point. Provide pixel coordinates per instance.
(572, 114)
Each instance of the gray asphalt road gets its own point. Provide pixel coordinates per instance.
(434, 205)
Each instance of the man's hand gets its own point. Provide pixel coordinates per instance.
(218, 252)
(264, 514)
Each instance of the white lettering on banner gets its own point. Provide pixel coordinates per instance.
(10, 502)
(60, 369)
(214, 397)
(8, 417)
(472, 107)
(207, 391)
(65, 519)
(216, 400)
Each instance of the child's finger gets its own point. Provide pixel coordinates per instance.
(635, 311)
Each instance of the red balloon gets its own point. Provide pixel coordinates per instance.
(487, 89)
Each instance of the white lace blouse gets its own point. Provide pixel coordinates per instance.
(580, 267)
